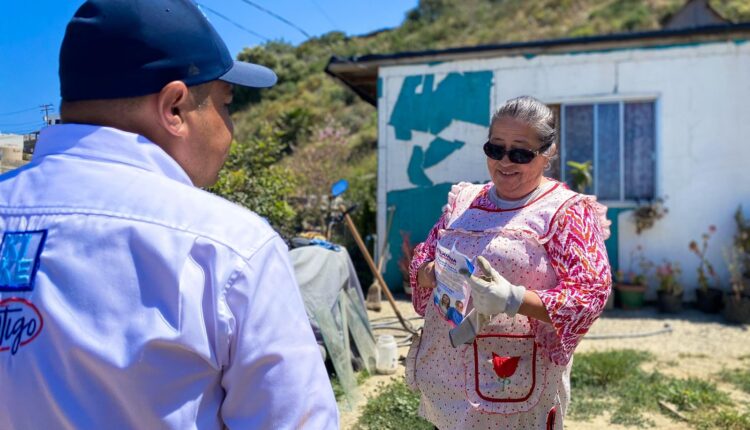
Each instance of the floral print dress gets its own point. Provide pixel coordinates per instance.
(516, 373)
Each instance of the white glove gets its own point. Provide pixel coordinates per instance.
(492, 294)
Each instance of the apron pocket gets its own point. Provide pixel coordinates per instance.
(504, 373)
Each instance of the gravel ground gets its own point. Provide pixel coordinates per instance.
(698, 345)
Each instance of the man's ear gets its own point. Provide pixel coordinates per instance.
(173, 102)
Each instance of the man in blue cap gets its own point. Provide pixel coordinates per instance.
(129, 297)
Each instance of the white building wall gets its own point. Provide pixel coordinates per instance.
(11, 141)
(11, 151)
(702, 95)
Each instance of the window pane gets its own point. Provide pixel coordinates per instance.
(607, 164)
(639, 151)
(579, 137)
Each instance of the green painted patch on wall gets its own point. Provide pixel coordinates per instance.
(415, 170)
(460, 96)
(438, 150)
(417, 210)
(613, 214)
(612, 243)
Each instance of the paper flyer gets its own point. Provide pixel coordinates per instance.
(452, 291)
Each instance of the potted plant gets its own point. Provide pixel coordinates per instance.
(631, 286)
(670, 292)
(647, 213)
(737, 302)
(742, 244)
(708, 297)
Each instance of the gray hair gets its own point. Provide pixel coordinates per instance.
(530, 111)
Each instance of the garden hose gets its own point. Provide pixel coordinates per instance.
(395, 324)
(666, 329)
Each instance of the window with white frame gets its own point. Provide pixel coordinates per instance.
(619, 138)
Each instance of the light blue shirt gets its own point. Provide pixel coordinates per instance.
(131, 299)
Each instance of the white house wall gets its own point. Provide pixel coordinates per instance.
(702, 94)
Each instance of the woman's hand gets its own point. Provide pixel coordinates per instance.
(492, 294)
(426, 275)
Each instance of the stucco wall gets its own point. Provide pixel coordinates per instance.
(702, 92)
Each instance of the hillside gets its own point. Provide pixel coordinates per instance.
(308, 131)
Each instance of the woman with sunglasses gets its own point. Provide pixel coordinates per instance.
(541, 279)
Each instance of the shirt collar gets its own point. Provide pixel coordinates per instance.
(107, 144)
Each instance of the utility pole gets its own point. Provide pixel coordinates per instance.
(46, 108)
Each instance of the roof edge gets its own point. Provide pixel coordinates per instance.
(615, 37)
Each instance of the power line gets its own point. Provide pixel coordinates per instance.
(240, 26)
(323, 12)
(280, 18)
(20, 124)
(18, 111)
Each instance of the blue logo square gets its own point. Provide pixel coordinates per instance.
(19, 259)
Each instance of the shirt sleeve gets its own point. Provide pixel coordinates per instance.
(275, 376)
(578, 255)
(424, 252)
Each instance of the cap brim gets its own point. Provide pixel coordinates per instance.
(249, 75)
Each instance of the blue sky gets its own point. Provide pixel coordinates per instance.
(31, 33)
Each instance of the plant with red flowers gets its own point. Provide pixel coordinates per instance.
(668, 274)
(632, 276)
(705, 268)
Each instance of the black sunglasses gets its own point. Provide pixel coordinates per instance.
(515, 155)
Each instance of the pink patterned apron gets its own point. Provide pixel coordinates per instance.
(505, 379)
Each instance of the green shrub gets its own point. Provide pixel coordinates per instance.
(394, 407)
(724, 419)
(251, 178)
(690, 394)
(601, 369)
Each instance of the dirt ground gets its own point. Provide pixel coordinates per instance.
(693, 344)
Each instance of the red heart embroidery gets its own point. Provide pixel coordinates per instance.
(505, 367)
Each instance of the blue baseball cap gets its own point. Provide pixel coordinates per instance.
(129, 48)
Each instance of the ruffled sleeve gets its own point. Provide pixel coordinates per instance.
(425, 251)
(600, 212)
(578, 255)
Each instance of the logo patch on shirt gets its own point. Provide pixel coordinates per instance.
(19, 259)
(20, 323)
